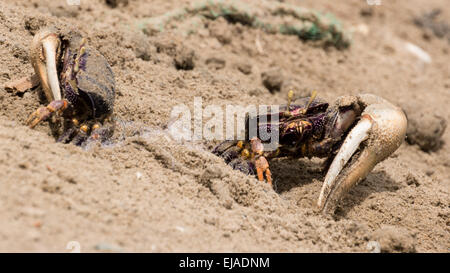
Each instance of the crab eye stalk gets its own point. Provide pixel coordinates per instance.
(45, 50)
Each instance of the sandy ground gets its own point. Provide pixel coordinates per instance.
(147, 192)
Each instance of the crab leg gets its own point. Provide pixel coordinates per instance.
(378, 134)
(262, 167)
(261, 164)
(43, 113)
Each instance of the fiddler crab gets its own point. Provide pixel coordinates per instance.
(355, 133)
(77, 82)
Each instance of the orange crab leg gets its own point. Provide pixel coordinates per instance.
(44, 113)
(260, 173)
(269, 176)
(262, 166)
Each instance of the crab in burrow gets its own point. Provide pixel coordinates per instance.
(78, 83)
(354, 133)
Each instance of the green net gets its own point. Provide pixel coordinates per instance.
(272, 17)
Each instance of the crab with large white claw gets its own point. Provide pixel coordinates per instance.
(380, 132)
(77, 82)
(355, 133)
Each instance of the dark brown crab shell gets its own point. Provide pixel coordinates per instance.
(91, 88)
(315, 114)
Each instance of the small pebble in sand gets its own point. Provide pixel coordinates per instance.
(220, 30)
(37, 224)
(394, 239)
(418, 52)
(425, 129)
(184, 59)
(215, 63)
(245, 68)
(367, 11)
(116, 3)
(373, 247)
(180, 229)
(141, 46)
(272, 80)
(412, 180)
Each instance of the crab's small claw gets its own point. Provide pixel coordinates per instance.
(44, 53)
(43, 113)
(377, 135)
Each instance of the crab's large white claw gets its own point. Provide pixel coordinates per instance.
(45, 50)
(377, 135)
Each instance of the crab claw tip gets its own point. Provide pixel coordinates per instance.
(382, 128)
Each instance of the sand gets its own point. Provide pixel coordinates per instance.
(145, 192)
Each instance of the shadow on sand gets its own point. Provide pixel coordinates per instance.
(292, 173)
